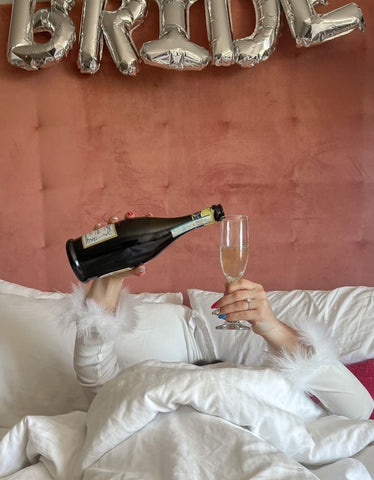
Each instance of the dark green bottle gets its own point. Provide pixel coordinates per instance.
(126, 244)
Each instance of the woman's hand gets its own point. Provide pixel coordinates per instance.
(246, 300)
(106, 290)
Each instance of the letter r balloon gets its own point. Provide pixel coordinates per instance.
(114, 24)
(116, 28)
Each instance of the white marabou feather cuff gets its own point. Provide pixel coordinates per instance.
(316, 349)
(84, 314)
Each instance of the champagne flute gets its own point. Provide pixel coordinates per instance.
(234, 254)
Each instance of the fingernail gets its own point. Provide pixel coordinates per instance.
(141, 269)
(216, 311)
(223, 316)
(130, 214)
(215, 305)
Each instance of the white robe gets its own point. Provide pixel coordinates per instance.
(99, 358)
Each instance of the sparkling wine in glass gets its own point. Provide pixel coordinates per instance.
(234, 254)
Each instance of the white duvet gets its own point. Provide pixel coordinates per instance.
(161, 421)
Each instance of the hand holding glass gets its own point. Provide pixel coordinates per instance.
(234, 254)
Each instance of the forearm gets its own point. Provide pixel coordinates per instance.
(340, 392)
(106, 292)
(307, 356)
(282, 336)
(97, 328)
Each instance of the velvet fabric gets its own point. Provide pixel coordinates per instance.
(364, 371)
(288, 142)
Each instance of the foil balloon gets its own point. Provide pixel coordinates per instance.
(219, 28)
(174, 49)
(309, 28)
(247, 51)
(116, 28)
(261, 44)
(63, 5)
(90, 37)
(23, 51)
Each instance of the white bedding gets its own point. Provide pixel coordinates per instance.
(164, 421)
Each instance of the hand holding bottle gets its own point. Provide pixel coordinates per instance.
(106, 291)
(123, 245)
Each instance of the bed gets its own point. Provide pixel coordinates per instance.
(161, 420)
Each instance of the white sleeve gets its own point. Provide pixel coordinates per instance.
(316, 369)
(95, 361)
(95, 356)
(340, 392)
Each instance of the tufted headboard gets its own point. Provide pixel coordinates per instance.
(289, 142)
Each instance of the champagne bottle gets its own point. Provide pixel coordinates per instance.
(128, 243)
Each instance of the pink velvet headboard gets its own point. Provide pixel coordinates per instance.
(289, 143)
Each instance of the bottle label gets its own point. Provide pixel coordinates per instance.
(98, 236)
(198, 219)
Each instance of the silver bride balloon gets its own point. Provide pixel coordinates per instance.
(23, 52)
(90, 36)
(309, 28)
(63, 5)
(218, 21)
(261, 44)
(116, 27)
(245, 51)
(174, 49)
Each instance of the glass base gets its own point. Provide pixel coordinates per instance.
(233, 326)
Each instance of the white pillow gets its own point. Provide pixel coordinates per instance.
(175, 298)
(346, 312)
(14, 288)
(36, 356)
(168, 297)
(36, 366)
(162, 333)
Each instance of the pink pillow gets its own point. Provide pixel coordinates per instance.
(364, 371)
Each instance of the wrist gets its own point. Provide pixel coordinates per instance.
(106, 292)
(281, 336)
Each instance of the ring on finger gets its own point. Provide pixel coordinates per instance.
(249, 301)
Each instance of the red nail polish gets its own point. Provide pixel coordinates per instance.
(215, 305)
(130, 214)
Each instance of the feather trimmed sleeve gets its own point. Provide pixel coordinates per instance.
(85, 314)
(315, 368)
(95, 355)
